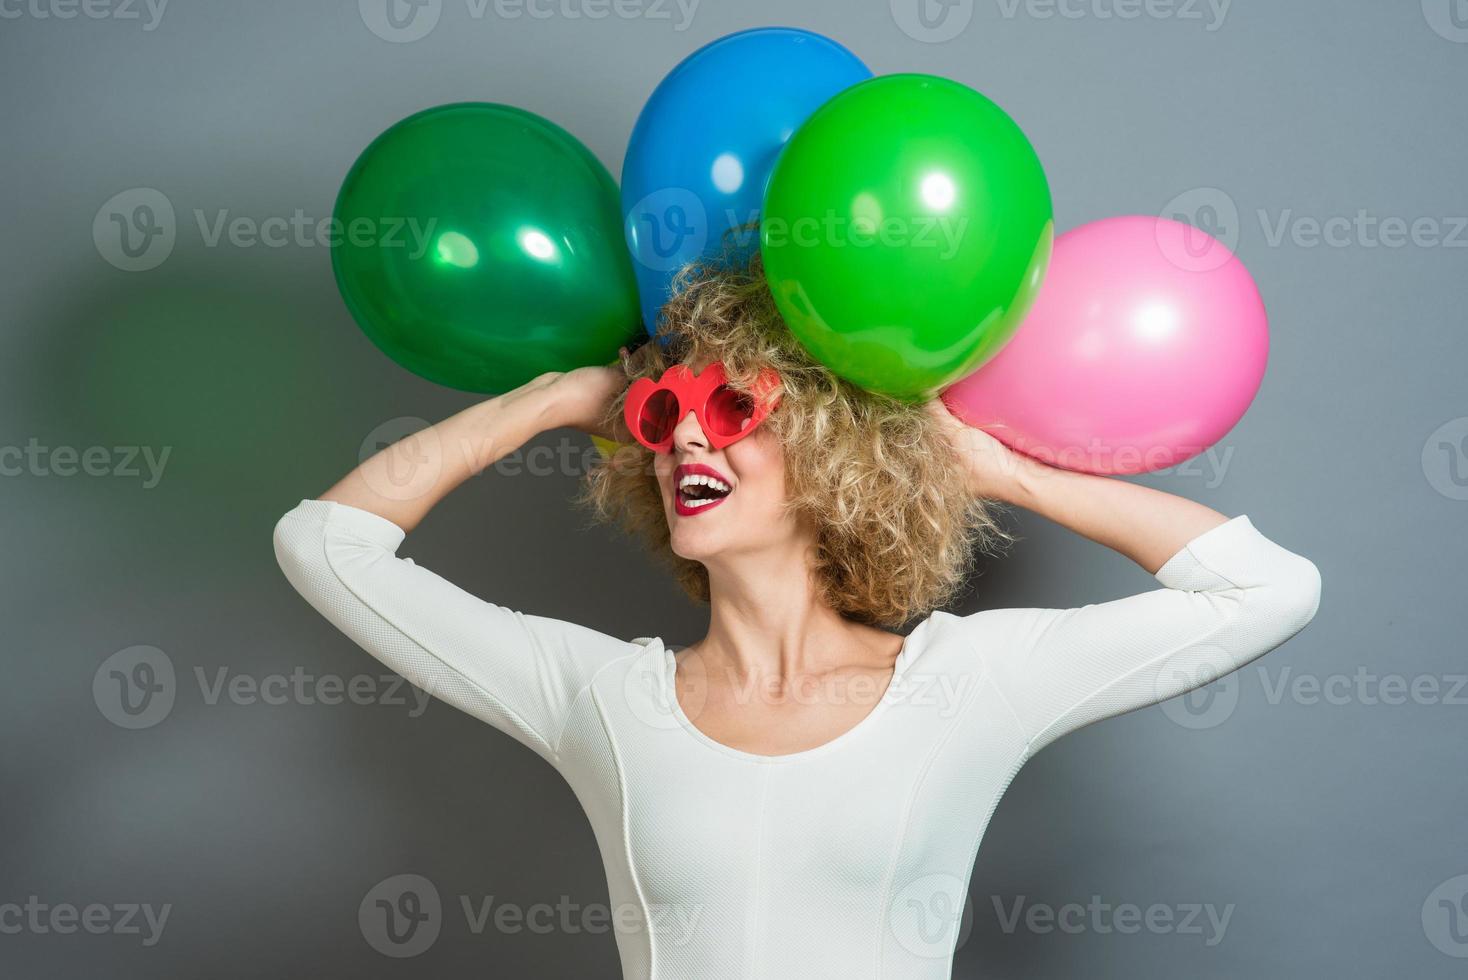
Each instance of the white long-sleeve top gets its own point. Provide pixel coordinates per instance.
(852, 859)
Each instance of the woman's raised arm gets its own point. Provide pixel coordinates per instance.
(403, 482)
(518, 672)
(1229, 596)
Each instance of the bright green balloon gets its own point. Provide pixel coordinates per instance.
(480, 245)
(906, 229)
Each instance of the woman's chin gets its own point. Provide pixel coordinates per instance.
(694, 538)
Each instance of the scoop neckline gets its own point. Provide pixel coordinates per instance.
(890, 694)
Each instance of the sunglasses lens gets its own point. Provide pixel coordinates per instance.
(729, 412)
(659, 417)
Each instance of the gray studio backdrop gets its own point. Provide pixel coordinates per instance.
(162, 402)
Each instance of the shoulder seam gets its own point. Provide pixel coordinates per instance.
(993, 676)
(581, 692)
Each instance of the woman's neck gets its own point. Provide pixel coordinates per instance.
(768, 622)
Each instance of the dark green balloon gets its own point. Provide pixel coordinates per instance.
(480, 245)
(906, 229)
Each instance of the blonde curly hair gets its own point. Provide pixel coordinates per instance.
(875, 477)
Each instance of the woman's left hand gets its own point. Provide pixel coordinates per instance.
(1147, 525)
(994, 469)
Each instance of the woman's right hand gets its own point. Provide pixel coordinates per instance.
(582, 397)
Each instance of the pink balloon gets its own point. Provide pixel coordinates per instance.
(1146, 344)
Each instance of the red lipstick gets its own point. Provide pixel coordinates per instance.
(715, 490)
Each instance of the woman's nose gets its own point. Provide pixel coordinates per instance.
(689, 434)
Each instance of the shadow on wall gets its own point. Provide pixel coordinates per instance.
(228, 396)
(232, 393)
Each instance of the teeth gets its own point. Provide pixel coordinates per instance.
(702, 503)
(703, 480)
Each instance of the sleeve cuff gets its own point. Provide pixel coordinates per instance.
(1212, 549)
(354, 520)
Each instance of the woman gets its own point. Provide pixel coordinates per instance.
(801, 793)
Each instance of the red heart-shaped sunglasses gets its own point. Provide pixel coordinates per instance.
(653, 409)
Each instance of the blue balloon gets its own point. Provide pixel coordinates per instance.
(705, 143)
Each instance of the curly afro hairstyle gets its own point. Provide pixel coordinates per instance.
(875, 477)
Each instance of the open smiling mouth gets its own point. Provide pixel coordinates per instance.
(698, 492)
